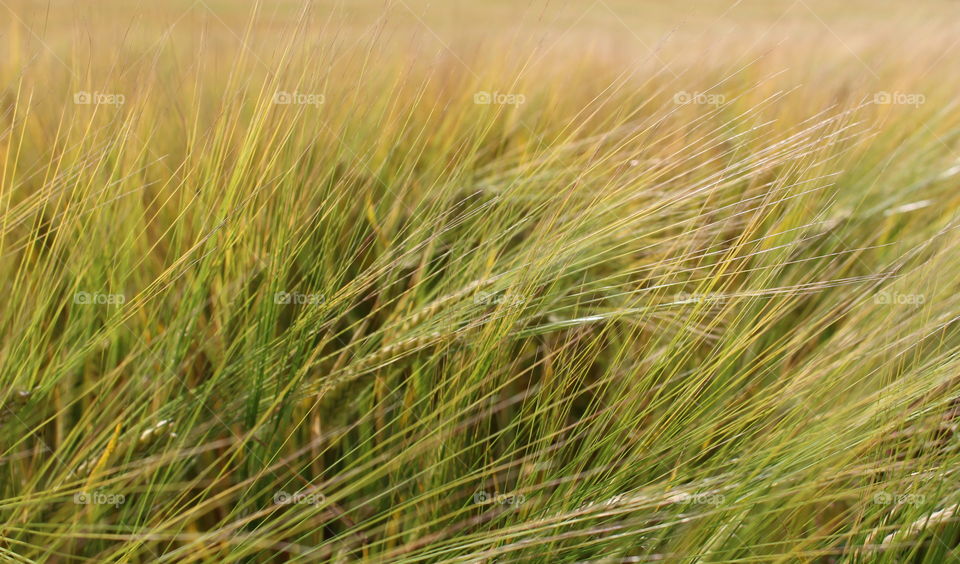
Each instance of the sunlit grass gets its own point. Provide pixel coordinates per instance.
(340, 283)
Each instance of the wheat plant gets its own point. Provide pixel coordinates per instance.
(504, 282)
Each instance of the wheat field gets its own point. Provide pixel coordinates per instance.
(541, 281)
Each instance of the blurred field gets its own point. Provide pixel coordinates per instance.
(410, 281)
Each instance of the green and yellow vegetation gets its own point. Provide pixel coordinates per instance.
(410, 281)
